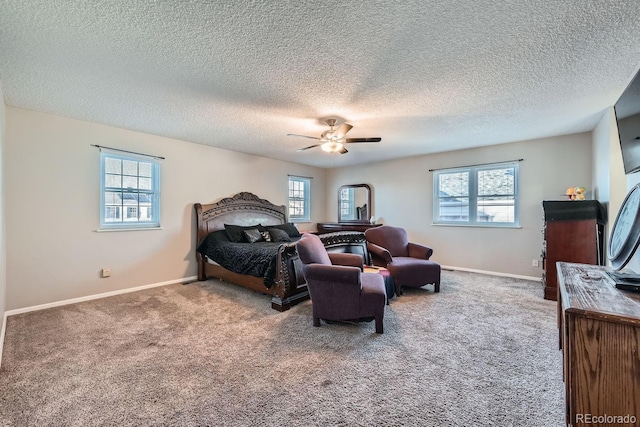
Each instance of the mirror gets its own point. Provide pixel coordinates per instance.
(354, 203)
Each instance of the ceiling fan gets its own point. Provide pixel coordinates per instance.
(333, 140)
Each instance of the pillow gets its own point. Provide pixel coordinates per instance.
(212, 240)
(253, 235)
(235, 233)
(278, 235)
(265, 235)
(290, 229)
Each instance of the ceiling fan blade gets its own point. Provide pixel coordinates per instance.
(303, 136)
(341, 131)
(352, 140)
(343, 151)
(306, 148)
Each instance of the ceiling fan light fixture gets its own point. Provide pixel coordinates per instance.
(333, 140)
(327, 135)
(332, 147)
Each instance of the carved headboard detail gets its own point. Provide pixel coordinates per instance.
(242, 209)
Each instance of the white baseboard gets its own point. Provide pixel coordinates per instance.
(97, 296)
(491, 273)
(4, 327)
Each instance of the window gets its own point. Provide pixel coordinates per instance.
(132, 213)
(112, 212)
(299, 196)
(129, 191)
(347, 204)
(477, 195)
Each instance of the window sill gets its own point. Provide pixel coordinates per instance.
(440, 224)
(108, 230)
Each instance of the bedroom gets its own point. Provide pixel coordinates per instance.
(53, 253)
(195, 173)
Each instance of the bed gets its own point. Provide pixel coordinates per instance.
(286, 286)
(282, 276)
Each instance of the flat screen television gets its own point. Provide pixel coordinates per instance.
(627, 110)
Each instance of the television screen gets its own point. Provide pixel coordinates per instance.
(628, 117)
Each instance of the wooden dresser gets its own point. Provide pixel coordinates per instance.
(573, 232)
(330, 227)
(599, 331)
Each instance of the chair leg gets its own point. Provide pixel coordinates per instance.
(379, 326)
(316, 321)
(436, 287)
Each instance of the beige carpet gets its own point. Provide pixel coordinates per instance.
(481, 352)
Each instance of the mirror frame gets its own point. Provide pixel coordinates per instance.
(356, 221)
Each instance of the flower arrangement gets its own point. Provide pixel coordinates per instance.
(576, 193)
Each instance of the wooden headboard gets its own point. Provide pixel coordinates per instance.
(242, 209)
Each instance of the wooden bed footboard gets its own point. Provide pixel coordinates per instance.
(289, 287)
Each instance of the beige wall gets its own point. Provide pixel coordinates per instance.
(3, 270)
(52, 206)
(609, 181)
(601, 137)
(403, 193)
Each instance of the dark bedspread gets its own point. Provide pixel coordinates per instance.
(255, 259)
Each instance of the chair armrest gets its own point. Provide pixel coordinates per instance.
(419, 251)
(379, 252)
(348, 259)
(332, 273)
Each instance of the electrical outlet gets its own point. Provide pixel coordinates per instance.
(534, 263)
(106, 272)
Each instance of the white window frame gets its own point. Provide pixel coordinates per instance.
(124, 222)
(294, 198)
(472, 191)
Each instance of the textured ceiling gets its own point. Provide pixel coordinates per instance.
(425, 75)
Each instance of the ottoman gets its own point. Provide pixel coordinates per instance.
(388, 280)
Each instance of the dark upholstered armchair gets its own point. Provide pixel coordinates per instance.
(338, 288)
(408, 263)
